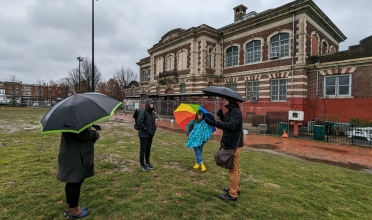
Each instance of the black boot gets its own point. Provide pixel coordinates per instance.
(228, 197)
(228, 190)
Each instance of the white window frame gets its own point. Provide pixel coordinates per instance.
(280, 46)
(231, 85)
(253, 54)
(278, 90)
(232, 56)
(143, 76)
(337, 85)
(252, 89)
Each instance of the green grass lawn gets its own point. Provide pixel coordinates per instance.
(272, 186)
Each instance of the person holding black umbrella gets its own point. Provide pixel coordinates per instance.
(146, 131)
(232, 126)
(75, 163)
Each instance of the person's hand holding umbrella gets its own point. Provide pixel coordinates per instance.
(211, 121)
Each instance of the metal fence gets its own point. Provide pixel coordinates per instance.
(165, 108)
(336, 132)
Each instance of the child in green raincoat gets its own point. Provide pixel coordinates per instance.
(198, 132)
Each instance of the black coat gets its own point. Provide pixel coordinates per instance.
(146, 121)
(232, 125)
(76, 153)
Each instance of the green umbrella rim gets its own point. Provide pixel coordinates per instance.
(83, 128)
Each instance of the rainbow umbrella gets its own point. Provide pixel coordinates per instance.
(186, 112)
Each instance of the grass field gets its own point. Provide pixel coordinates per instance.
(272, 186)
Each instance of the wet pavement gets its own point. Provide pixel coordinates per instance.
(351, 157)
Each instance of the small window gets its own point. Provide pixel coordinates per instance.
(133, 91)
(148, 76)
(279, 46)
(143, 76)
(232, 56)
(231, 85)
(278, 90)
(183, 88)
(158, 90)
(253, 51)
(337, 85)
(252, 90)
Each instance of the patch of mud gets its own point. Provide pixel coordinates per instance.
(4, 144)
(272, 185)
(117, 160)
(250, 179)
(173, 165)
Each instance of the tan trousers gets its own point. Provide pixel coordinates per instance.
(235, 175)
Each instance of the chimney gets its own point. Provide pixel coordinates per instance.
(239, 12)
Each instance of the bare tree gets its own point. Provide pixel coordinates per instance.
(125, 76)
(86, 76)
(64, 88)
(73, 76)
(13, 88)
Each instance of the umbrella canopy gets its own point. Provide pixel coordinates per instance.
(186, 112)
(223, 92)
(78, 112)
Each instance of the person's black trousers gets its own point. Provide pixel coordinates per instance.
(145, 150)
(73, 193)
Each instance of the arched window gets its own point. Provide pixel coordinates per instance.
(314, 45)
(157, 90)
(332, 49)
(279, 45)
(143, 76)
(232, 56)
(169, 63)
(210, 58)
(182, 60)
(159, 66)
(253, 51)
(324, 47)
(182, 88)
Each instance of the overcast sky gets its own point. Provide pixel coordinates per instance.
(41, 39)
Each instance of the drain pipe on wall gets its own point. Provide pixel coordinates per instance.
(293, 38)
(222, 61)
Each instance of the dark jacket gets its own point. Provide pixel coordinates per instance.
(146, 121)
(232, 125)
(76, 153)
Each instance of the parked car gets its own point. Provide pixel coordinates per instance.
(35, 104)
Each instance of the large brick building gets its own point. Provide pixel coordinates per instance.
(279, 59)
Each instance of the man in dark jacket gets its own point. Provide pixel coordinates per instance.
(75, 163)
(232, 125)
(147, 127)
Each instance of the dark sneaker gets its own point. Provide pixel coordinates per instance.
(227, 197)
(150, 167)
(144, 169)
(228, 190)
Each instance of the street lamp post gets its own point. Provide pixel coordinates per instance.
(93, 45)
(80, 59)
(317, 86)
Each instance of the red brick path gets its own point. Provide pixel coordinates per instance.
(298, 147)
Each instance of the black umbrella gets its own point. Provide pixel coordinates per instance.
(78, 112)
(223, 92)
